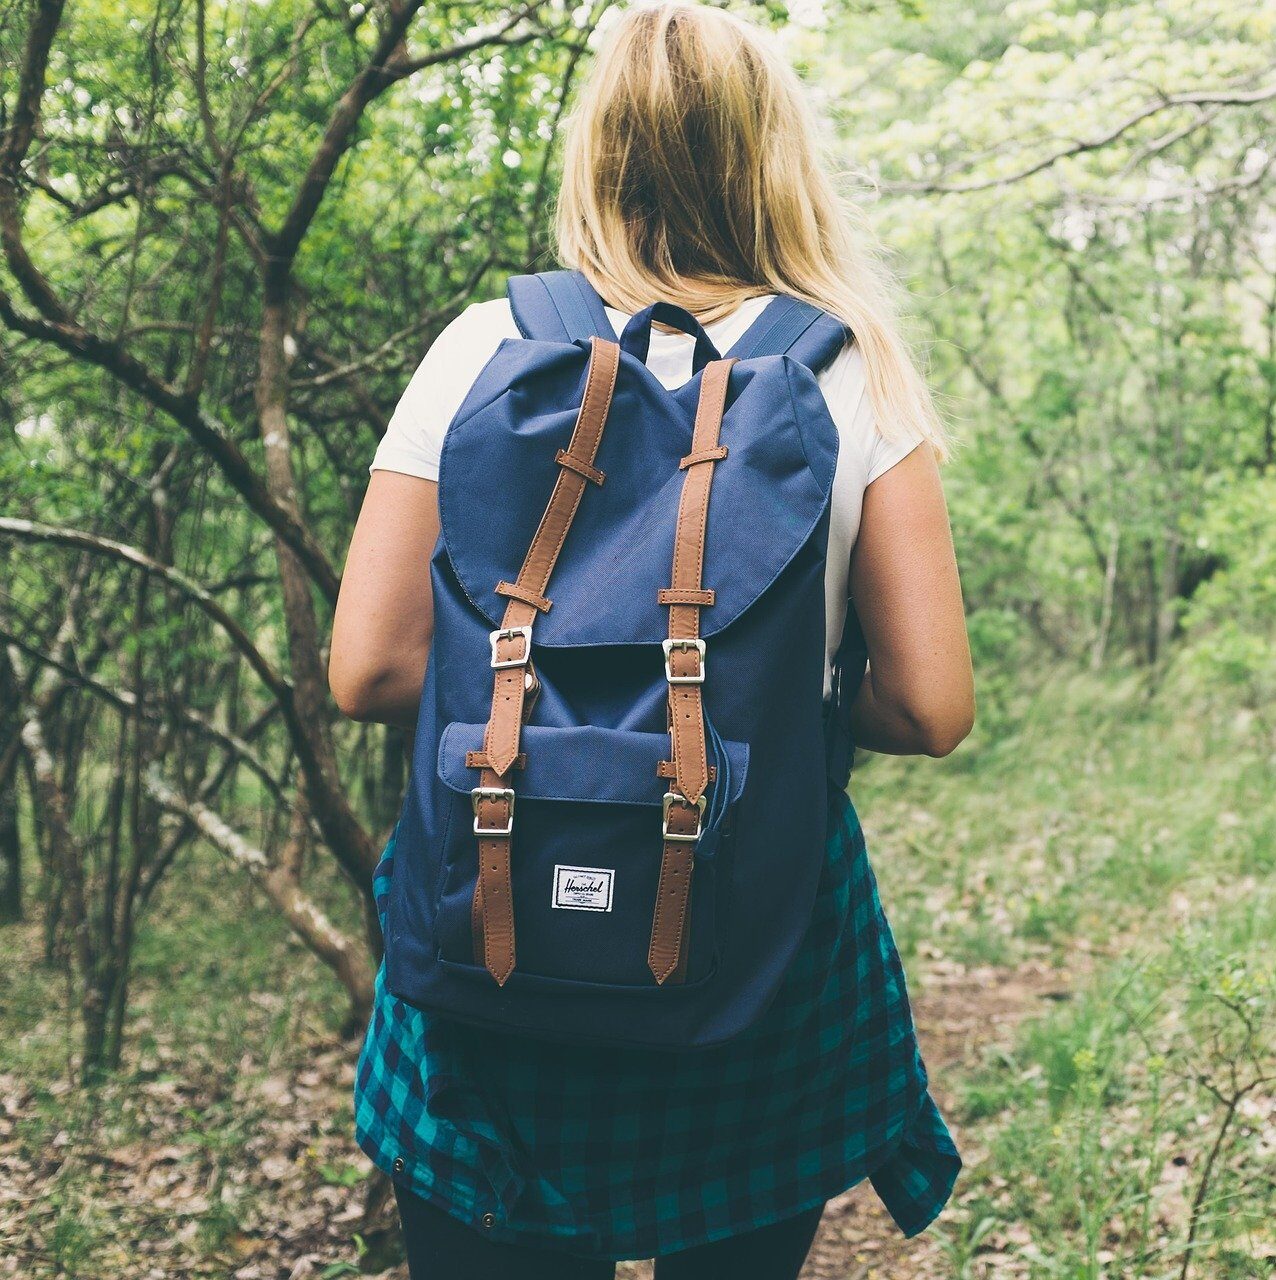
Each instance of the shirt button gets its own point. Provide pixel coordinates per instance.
(399, 1164)
(489, 1221)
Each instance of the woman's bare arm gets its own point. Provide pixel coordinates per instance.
(919, 695)
(385, 613)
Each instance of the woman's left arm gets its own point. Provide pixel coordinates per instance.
(385, 613)
(918, 696)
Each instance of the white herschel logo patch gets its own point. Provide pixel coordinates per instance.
(583, 888)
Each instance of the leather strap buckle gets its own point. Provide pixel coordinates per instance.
(671, 798)
(508, 633)
(478, 795)
(669, 646)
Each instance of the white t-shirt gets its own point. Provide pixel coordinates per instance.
(414, 439)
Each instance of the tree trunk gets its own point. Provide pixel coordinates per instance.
(10, 851)
(345, 835)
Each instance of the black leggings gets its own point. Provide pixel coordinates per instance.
(440, 1247)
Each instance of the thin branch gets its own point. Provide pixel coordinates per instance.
(501, 36)
(349, 842)
(31, 531)
(1219, 97)
(63, 332)
(125, 701)
(56, 325)
(371, 81)
(387, 65)
(395, 343)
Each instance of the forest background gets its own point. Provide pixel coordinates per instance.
(229, 230)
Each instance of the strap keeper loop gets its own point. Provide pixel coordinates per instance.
(716, 454)
(479, 760)
(580, 467)
(686, 595)
(515, 592)
(667, 769)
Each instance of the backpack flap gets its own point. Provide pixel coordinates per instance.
(776, 478)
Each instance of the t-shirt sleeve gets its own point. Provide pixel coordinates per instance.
(413, 441)
(845, 388)
(883, 454)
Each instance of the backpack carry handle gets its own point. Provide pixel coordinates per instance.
(636, 338)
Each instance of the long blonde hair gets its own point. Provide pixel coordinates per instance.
(691, 174)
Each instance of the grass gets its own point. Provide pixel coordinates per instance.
(1127, 842)
(1123, 844)
(1095, 807)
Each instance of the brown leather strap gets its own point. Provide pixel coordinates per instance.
(686, 709)
(685, 669)
(666, 956)
(511, 657)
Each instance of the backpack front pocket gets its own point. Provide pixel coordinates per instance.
(585, 857)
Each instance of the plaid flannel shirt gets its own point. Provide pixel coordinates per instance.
(623, 1153)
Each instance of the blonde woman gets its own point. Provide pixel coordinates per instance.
(691, 177)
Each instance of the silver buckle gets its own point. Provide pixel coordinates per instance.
(678, 837)
(492, 793)
(508, 633)
(669, 646)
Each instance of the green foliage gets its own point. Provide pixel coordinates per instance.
(1231, 620)
(1124, 843)
(1091, 262)
(1131, 1125)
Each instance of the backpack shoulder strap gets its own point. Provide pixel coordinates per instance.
(558, 306)
(493, 798)
(789, 326)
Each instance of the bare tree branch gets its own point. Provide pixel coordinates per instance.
(56, 325)
(350, 843)
(393, 345)
(206, 432)
(32, 531)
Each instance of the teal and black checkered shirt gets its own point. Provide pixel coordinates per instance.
(620, 1153)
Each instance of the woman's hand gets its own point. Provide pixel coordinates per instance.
(385, 613)
(918, 697)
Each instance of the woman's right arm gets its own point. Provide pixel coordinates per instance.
(918, 697)
(385, 613)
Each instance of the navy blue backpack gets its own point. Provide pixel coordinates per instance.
(616, 818)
